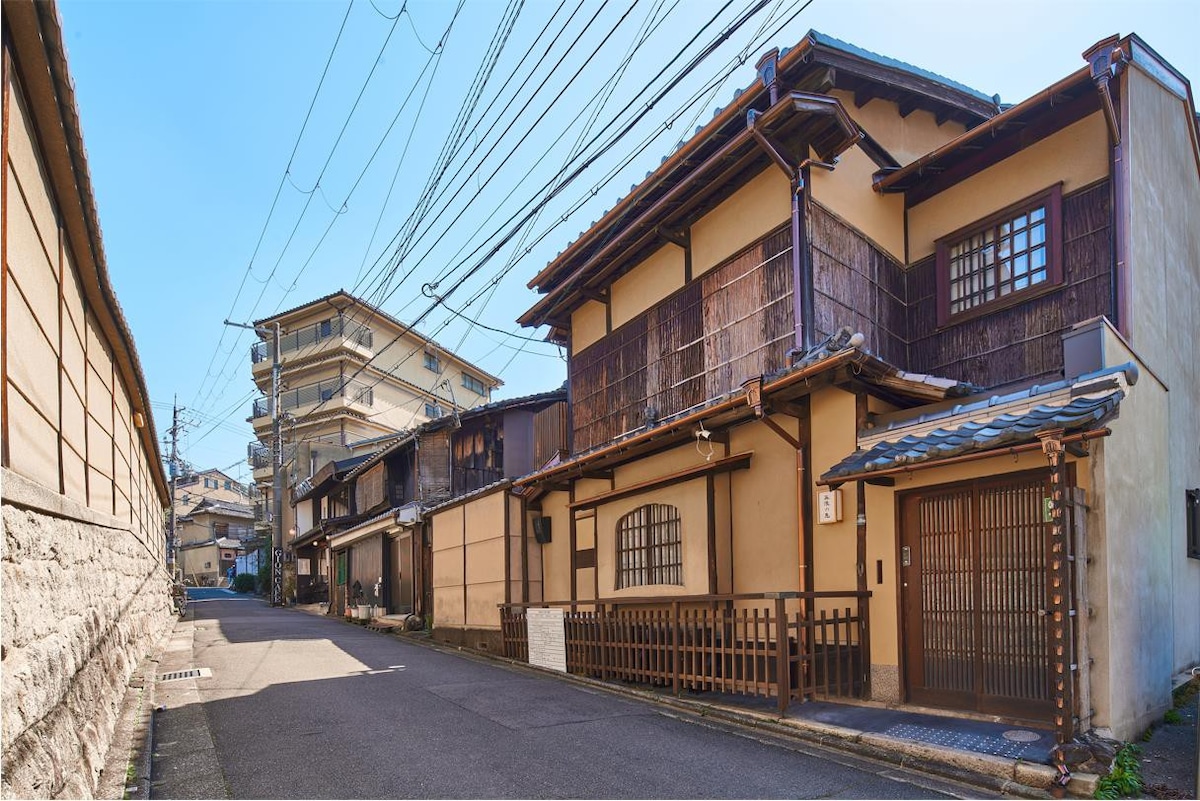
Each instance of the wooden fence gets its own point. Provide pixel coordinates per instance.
(716, 643)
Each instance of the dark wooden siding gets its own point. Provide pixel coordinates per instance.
(1022, 342)
(733, 323)
(858, 285)
(478, 456)
(366, 565)
(433, 465)
(549, 432)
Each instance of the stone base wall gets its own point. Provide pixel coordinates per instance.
(83, 604)
(488, 640)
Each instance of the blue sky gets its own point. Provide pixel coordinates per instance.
(191, 111)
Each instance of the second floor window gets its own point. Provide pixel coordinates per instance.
(1002, 258)
(432, 362)
(432, 411)
(474, 384)
(649, 547)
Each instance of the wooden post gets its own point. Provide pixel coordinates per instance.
(864, 601)
(1059, 591)
(783, 678)
(676, 634)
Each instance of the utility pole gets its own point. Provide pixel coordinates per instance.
(276, 461)
(174, 468)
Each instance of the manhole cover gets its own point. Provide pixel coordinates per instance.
(194, 673)
(1019, 736)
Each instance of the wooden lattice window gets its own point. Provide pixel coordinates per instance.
(649, 547)
(1010, 255)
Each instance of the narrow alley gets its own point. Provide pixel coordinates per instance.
(295, 706)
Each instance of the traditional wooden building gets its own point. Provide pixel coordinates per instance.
(367, 536)
(769, 492)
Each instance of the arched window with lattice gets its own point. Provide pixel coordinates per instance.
(649, 547)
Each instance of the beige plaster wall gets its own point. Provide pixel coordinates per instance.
(906, 138)
(1130, 540)
(556, 554)
(690, 500)
(1165, 273)
(85, 590)
(1077, 155)
(646, 284)
(449, 571)
(847, 192)
(758, 207)
(589, 323)
(70, 421)
(485, 571)
(766, 543)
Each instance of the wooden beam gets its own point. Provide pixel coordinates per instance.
(740, 461)
(865, 93)
(907, 106)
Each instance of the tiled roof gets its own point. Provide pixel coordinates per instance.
(1080, 414)
(885, 61)
(228, 508)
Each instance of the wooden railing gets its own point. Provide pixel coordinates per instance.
(716, 643)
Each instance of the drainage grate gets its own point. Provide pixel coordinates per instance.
(194, 673)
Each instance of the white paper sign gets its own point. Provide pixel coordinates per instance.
(547, 638)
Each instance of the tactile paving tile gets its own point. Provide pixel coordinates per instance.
(979, 743)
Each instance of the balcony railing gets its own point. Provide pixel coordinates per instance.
(320, 392)
(258, 455)
(717, 643)
(312, 334)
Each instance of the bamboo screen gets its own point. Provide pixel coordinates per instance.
(731, 324)
(1024, 341)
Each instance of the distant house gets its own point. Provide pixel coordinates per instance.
(876, 362)
(212, 534)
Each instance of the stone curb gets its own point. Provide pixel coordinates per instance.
(137, 721)
(996, 774)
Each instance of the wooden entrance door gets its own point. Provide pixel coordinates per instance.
(400, 574)
(973, 593)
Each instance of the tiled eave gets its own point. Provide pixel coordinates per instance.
(1009, 132)
(959, 437)
(736, 406)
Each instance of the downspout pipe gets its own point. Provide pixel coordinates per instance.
(799, 176)
(1106, 60)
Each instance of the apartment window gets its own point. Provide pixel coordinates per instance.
(326, 329)
(474, 384)
(649, 547)
(432, 362)
(432, 410)
(1193, 523)
(1010, 255)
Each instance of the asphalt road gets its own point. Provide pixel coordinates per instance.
(299, 706)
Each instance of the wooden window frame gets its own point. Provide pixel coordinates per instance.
(1051, 198)
(470, 382)
(662, 549)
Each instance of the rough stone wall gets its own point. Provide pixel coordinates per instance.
(82, 605)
